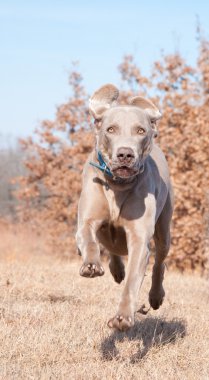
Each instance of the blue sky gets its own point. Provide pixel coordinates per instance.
(40, 39)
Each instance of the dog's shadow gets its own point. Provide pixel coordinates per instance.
(148, 332)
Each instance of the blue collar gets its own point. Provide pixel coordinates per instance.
(102, 165)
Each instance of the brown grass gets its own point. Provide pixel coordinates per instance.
(53, 322)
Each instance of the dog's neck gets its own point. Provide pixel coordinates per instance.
(120, 184)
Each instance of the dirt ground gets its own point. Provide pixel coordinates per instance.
(53, 323)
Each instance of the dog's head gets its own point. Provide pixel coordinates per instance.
(124, 134)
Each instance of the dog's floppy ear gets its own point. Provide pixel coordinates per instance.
(147, 106)
(151, 110)
(102, 99)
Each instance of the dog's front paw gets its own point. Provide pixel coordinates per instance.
(121, 323)
(91, 270)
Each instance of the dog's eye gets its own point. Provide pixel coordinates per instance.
(140, 131)
(110, 130)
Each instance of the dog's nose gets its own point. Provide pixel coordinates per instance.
(125, 155)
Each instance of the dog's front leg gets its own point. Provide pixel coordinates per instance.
(89, 248)
(138, 237)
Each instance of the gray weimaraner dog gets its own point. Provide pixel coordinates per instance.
(126, 199)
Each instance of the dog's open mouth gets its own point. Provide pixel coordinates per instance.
(124, 171)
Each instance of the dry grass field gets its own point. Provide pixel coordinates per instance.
(53, 323)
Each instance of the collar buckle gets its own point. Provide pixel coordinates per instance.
(102, 165)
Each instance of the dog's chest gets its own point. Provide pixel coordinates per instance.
(115, 202)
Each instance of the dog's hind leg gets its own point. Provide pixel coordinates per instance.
(117, 268)
(162, 245)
